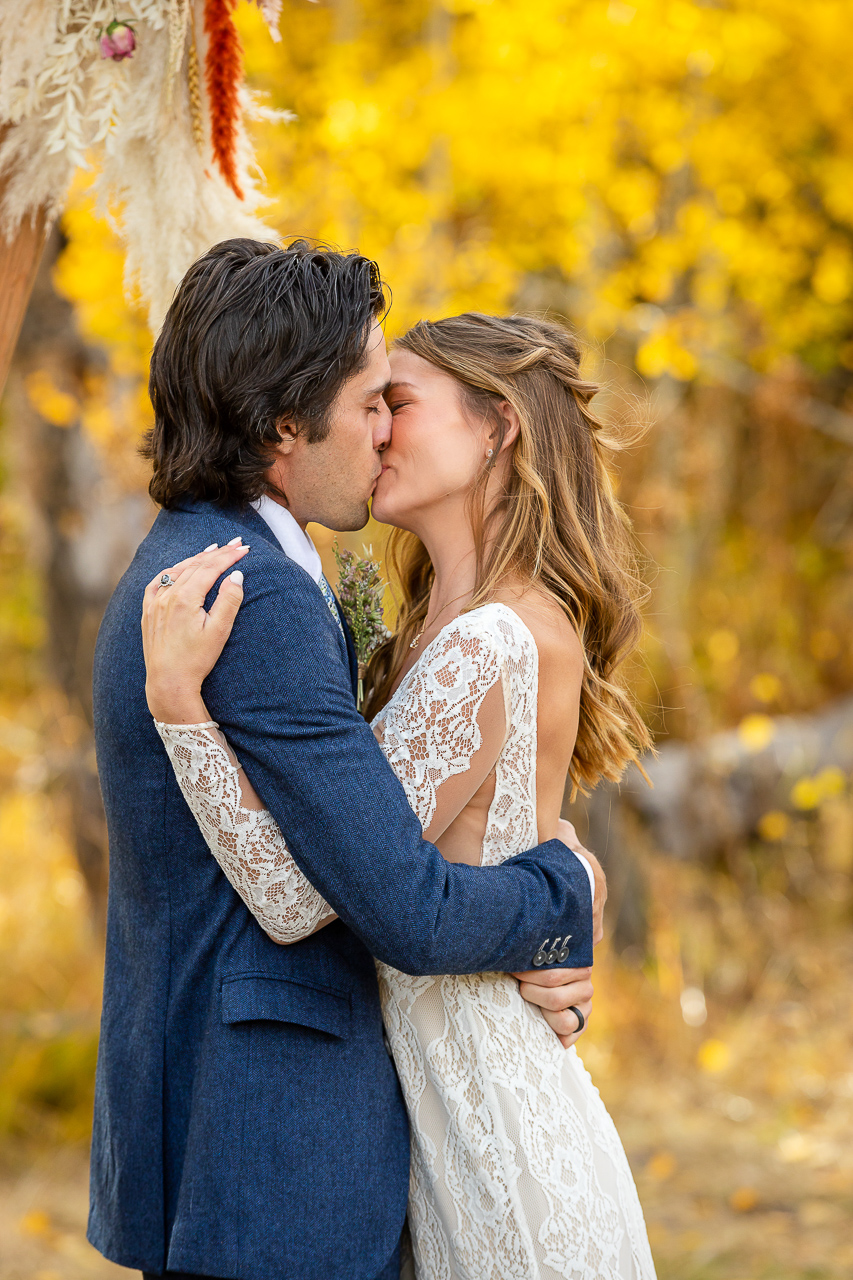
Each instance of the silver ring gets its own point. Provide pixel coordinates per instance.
(166, 581)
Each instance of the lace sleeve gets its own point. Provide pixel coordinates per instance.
(446, 725)
(247, 843)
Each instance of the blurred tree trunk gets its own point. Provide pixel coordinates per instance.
(83, 534)
(710, 796)
(605, 828)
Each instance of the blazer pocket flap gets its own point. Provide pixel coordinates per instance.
(258, 999)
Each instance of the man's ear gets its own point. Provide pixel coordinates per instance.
(287, 437)
(509, 424)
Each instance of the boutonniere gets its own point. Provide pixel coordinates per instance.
(360, 591)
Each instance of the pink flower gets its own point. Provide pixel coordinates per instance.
(118, 41)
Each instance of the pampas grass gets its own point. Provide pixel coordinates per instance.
(67, 108)
(223, 75)
(271, 10)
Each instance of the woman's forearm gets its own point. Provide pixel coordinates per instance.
(242, 836)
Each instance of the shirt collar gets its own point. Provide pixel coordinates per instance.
(293, 540)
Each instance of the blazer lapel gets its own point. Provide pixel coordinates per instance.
(351, 654)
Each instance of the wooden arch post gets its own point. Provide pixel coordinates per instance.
(19, 262)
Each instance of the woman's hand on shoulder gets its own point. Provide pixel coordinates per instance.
(181, 640)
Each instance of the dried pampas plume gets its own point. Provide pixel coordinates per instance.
(176, 174)
(271, 9)
(223, 75)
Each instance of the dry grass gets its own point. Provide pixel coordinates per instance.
(44, 1192)
(739, 1130)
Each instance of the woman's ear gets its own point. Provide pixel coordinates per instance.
(509, 425)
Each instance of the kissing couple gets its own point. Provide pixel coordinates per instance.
(348, 956)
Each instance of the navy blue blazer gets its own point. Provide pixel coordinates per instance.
(248, 1120)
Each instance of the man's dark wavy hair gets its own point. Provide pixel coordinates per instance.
(256, 334)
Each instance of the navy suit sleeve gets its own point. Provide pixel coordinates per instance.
(281, 693)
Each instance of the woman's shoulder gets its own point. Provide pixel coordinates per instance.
(556, 639)
(482, 639)
(512, 621)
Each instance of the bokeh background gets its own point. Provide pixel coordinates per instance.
(674, 178)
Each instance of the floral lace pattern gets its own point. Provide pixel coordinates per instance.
(517, 1170)
(429, 730)
(247, 843)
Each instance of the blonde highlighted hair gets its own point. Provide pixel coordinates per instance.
(556, 524)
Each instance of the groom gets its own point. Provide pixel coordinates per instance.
(248, 1119)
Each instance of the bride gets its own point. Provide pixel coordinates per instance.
(518, 606)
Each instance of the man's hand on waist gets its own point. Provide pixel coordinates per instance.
(555, 991)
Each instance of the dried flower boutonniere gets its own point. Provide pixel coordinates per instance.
(360, 590)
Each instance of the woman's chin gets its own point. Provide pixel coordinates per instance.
(386, 513)
(380, 508)
(377, 509)
(386, 507)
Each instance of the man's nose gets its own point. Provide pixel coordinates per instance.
(382, 428)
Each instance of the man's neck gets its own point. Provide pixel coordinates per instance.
(281, 501)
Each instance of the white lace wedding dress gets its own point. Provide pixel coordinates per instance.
(517, 1170)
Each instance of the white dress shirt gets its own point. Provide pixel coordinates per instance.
(295, 542)
(292, 539)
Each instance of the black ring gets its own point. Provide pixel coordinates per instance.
(581, 1019)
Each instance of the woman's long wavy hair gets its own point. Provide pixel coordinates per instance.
(556, 524)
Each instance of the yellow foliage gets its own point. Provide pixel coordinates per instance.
(723, 645)
(36, 1223)
(115, 409)
(50, 967)
(805, 794)
(810, 793)
(766, 687)
(756, 732)
(640, 153)
(774, 825)
(637, 168)
(661, 1166)
(714, 1056)
(832, 782)
(54, 405)
(744, 1199)
(825, 645)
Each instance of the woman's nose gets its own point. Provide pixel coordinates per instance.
(382, 428)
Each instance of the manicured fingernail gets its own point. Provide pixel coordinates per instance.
(235, 542)
(213, 546)
(236, 577)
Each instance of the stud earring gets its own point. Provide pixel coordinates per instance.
(489, 453)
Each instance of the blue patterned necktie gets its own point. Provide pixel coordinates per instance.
(328, 596)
